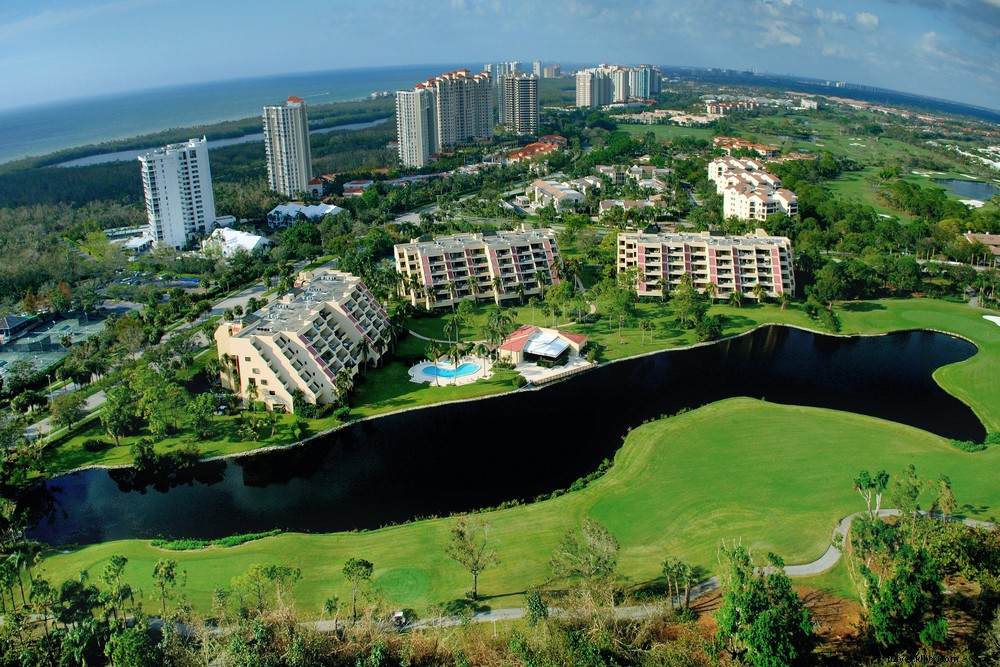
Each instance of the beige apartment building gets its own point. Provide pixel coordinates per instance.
(328, 323)
(498, 266)
(749, 191)
(731, 263)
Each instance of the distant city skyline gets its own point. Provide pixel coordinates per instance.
(54, 50)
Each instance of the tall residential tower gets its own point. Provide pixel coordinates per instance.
(177, 184)
(442, 113)
(286, 139)
(520, 109)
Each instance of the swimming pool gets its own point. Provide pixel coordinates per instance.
(461, 371)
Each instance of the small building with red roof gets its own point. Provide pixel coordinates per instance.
(533, 344)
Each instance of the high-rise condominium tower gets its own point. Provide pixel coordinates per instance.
(520, 109)
(415, 126)
(177, 183)
(441, 113)
(286, 139)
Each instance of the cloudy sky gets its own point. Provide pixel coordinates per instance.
(62, 49)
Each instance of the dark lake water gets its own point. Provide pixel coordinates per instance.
(969, 189)
(471, 455)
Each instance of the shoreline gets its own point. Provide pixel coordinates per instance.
(532, 388)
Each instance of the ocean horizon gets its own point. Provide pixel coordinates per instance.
(44, 129)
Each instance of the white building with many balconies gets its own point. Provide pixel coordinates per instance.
(328, 325)
(177, 185)
(730, 263)
(493, 265)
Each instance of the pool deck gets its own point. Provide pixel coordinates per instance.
(538, 375)
(419, 375)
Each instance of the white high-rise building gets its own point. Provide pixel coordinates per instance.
(520, 109)
(462, 107)
(536, 68)
(415, 126)
(177, 183)
(619, 84)
(286, 139)
(594, 87)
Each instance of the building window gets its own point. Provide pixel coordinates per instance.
(256, 371)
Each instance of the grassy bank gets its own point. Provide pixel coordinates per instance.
(777, 477)
(389, 388)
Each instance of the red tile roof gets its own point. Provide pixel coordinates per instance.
(293, 99)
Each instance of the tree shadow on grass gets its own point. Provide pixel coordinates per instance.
(739, 322)
(861, 306)
(464, 607)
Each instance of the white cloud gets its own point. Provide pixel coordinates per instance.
(50, 19)
(777, 33)
(866, 20)
(832, 17)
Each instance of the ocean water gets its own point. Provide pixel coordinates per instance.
(43, 129)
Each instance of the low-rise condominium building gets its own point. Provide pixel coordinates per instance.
(491, 265)
(749, 192)
(730, 263)
(329, 324)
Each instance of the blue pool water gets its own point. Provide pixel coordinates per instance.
(461, 371)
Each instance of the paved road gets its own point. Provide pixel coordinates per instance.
(44, 427)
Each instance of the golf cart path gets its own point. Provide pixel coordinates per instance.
(818, 566)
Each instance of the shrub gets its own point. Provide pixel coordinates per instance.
(518, 381)
(343, 413)
(992, 439)
(968, 445)
(95, 445)
(535, 607)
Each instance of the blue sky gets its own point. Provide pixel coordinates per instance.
(61, 49)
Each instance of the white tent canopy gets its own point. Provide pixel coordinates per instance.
(546, 345)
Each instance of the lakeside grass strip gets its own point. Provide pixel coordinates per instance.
(777, 477)
(226, 542)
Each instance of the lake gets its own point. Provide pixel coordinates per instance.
(969, 189)
(124, 156)
(459, 457)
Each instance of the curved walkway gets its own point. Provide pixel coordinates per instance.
(818, 566)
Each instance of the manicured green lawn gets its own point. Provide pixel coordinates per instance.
(667, 132)
(472, 326)
(776, 477)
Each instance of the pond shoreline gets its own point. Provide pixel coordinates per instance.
(531, 388)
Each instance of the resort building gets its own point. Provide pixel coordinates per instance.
(329, 324)
(729, 144)
(749, 192)
(441, 113)
(533, 344)
(561, 196)
(285, 215)
(13, 326)
(730, 263)
(286, 140)
(519, 113)
(177, 185)
(229, 241)
(491, 265)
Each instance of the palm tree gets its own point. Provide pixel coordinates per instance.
(533, 302)
(455, 354)
(497, 288)
(473, 288)
(481, 351)
(520, 293)
(784, 299)
(433, 353)
(736, 299)
(759, 292)
(453, 326)
(453, 293)
(662, 284)
(711, 290)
